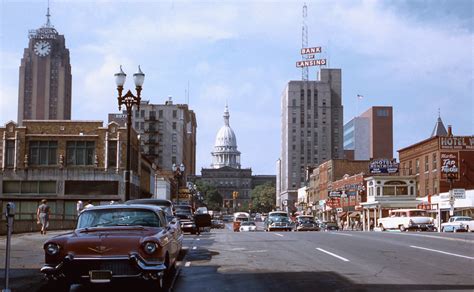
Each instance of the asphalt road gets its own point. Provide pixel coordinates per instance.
(223, 260)
(327, 261)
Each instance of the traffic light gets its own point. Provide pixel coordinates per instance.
(235, 194)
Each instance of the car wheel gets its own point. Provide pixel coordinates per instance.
(402, 228)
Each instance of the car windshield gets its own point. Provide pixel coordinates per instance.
(306, 220)
(279, 219)
(418, 214)
(118, 217)
(248, 224)
(183, 209)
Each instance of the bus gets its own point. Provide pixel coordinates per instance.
(239, 217)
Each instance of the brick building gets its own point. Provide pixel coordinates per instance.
(425, 160)
(322, 177)
(66, 161)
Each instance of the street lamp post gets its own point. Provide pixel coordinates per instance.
(129, 100)
(178, 173)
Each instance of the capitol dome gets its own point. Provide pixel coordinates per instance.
(225, 148)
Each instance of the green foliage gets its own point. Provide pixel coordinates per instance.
(212, 198)
(263, 198)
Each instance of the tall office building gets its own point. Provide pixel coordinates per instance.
(311, 130)
(45, 77)
(370, 135)
(167, 133)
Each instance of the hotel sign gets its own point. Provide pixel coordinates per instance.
(449, 165)
(383, 166)
(456, 143)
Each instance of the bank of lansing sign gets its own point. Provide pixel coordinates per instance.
(377, 166)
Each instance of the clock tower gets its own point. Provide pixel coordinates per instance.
(45, 76)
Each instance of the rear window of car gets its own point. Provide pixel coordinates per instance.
(118, 217)
(418, 214)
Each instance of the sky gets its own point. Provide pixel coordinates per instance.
(416, 56)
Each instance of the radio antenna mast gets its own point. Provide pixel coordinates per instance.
(304, 42)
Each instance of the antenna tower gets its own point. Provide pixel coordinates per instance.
(304, 42)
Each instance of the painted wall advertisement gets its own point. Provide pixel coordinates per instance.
(449, 165)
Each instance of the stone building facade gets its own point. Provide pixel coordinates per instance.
(311, 130)
(45, 77)
(66, 161)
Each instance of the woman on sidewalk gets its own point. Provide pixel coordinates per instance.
(42, 215)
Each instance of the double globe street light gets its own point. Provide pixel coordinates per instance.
(129, 100)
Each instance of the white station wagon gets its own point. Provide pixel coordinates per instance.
(405, 219)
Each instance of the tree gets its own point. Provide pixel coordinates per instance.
(263, 198)
(211, 196)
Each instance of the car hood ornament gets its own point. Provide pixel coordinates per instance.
(99, 249)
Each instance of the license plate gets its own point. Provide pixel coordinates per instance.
(100, 276)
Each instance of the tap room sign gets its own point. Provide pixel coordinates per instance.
(456, 142)
(378, 166)
(449, 165)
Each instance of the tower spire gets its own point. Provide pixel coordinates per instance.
(226, 114)
(48, 22)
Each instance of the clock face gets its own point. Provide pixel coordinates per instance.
(42, 48)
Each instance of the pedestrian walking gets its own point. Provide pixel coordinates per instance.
(79, 207)
(42, 216)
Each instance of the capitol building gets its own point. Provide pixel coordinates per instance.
(226, 173)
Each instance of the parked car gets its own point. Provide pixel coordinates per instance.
(216, 223)
(326, 226)
(306, 223)
(405, 219)
(248, 226)
(113, 242)
(166, 205)
(277, 220)
(458, 223)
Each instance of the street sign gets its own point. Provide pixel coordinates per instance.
(459, 193)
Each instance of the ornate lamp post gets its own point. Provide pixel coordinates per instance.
(129, 100)
(178, 176)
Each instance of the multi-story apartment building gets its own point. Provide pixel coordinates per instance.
(311, 130)
(370, 135)
(67, 161)
(45, 77)
(167, 133)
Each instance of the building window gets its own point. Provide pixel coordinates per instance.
(160, 113)
(173, 159)
(142, 126)
(427, 166)
(174, 149)
(142, 113)
(435, 186)
(417, 166)
(43, 152)
(174, 125)
(152, 115)
(112, 154)
(174, 137)
(137, 114)
(435, 164)
(410, 168)
(137, 125)
(80, 152)
(382, 113)
(293, 102)
(175, 114)
(10, 153)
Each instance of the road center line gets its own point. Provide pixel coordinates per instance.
(345, 234)
(278, 234)
(198, 239)
(439, 237)
(187, 264)
(443, 252)
(332, 254)
(194, 247)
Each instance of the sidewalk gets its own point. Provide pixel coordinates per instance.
(26, 259)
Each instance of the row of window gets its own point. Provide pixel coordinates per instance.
(434, 164)
(152, 114)
(80, 153)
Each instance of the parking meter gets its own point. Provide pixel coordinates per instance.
(10, 210)
(9, 214)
